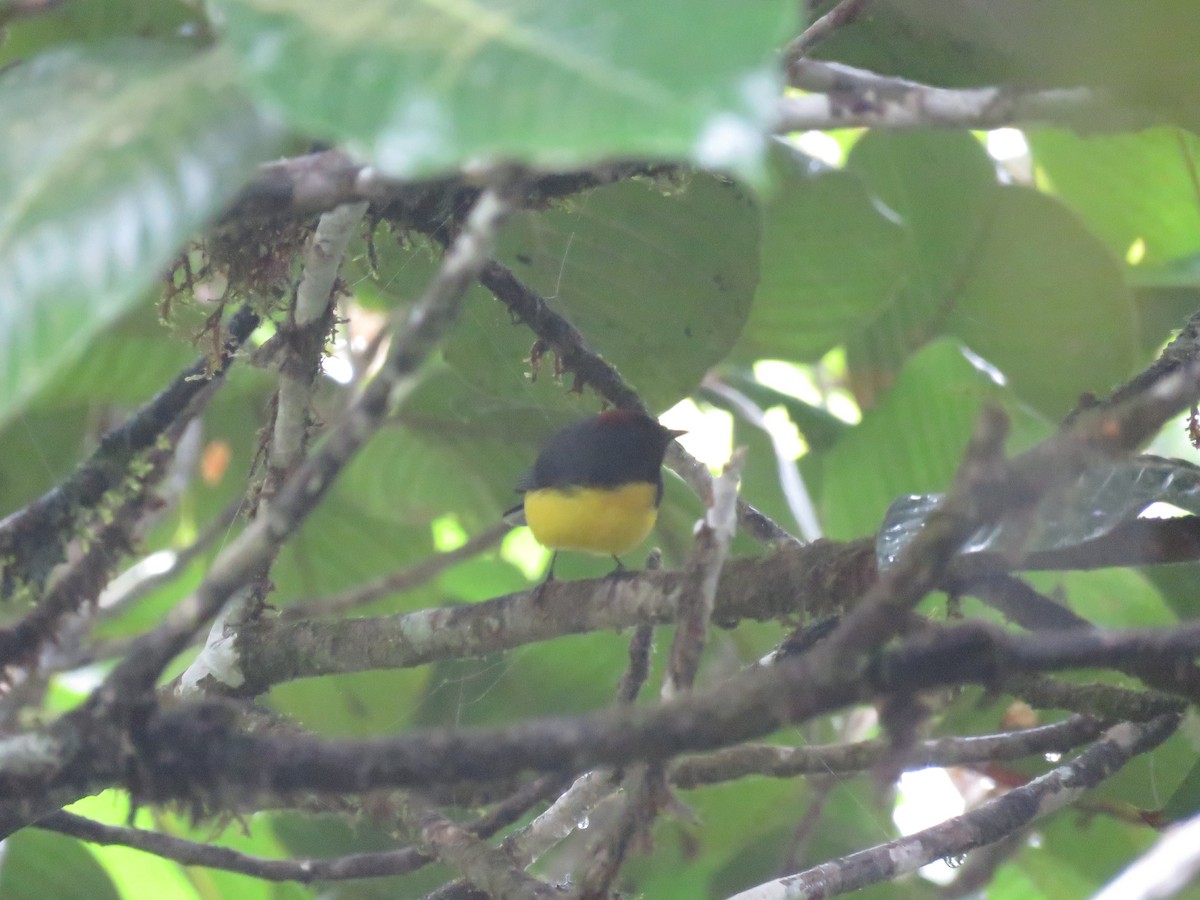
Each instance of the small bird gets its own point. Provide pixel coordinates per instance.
(596, 485)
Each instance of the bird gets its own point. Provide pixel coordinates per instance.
(596, 485)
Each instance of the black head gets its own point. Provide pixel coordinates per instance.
(614, 448)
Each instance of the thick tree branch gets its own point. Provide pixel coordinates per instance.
(201, 747)
(816, 579)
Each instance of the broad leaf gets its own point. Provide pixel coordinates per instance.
(914, 437)
(109, 157)
(831, 258)
(423, 87)
(1009, 271)
(1128, 187)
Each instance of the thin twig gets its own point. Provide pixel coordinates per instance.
(490, 870)
(842, 96)
(845, 12)
(779, 761)
(395, 582)
(990, 822)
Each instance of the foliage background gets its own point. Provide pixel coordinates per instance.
(906, 278)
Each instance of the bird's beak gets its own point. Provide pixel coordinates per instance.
(675, 434)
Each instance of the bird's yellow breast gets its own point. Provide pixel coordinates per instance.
(595, 520)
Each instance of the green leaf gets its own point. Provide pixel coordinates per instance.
(423, 87)
(42, 865)
(109, 157)
(1185, 802)
(831, 258)
(134, 872)
(1144, 52)
(1009, 271)
(938, 185)
(126, 364)
(659, 278)
(1128, 187)
(659, 281)
(94, 21)
(1044, 301)
(911, 442)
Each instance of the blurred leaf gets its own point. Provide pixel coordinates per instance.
(109, 157)
(134, 872)
(125, 364)
(1177, 586)
(361, 704)
(659, 280)
(937, 184)
(42, 865)
(1184, 803)
(95, 21)
(1128, 187)
(1109, 598)
(343, 543)
(831, 258)
(41, 447)
(940, 186)
(1103, 498)
(1145, 51)
(426, 87)
(913, 439)
(1007, 270)
(1036, 276)
(658, 277)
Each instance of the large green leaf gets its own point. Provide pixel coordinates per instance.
(1044, 301)
(659, 278)
(94, 21)
(1009, 271)
(937, 184)
(660, 284)
(425, 86)
(831, 257)
(911, 442)
(109, 157)
(1145, 52)
(1128, 187)
(42, 865)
